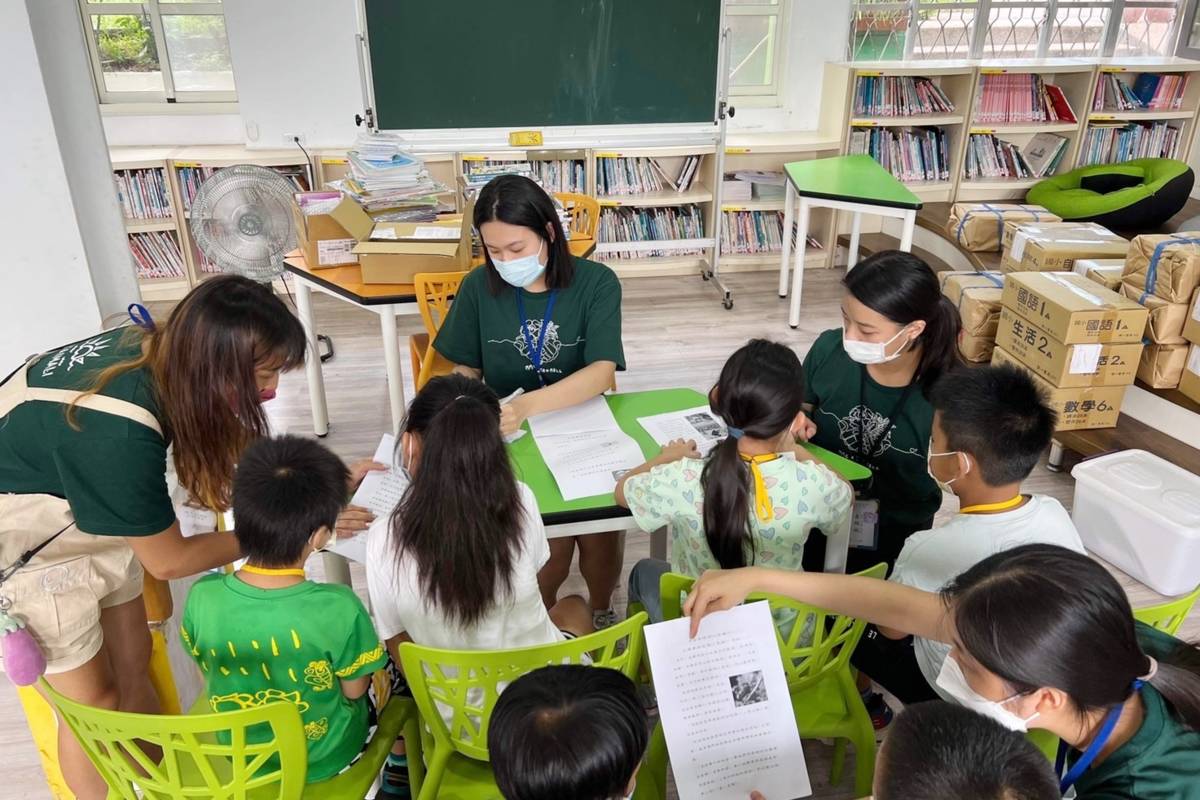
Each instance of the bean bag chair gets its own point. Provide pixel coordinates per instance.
(1132, 196)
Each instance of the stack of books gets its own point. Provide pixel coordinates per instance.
(156, 254)
(756, 232)
(1149, 91)
(626, 224)
(620, 175)
(1021, 97)
(735, 190)
(991, 157)
(565, 175)
(143, 193)
(1108, 144)
(899, 96)
(385, 176)
(916, 154)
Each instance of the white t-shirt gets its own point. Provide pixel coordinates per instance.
(931, 559)
(519, 620)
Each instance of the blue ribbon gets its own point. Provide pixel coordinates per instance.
(140, 316)
(736, 433)
(1152, 270)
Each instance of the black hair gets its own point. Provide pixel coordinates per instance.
(760, 391)
(937, 750)
(284, 489)
(461, 518)
(517, 200)
(567, 731)
(904, 289)
(1042, 615)
(999, 416)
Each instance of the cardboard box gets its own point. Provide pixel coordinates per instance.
(1165, 323)
(976, 295)
(1067, 365)
(1104, 271)
(979, 227)
(1165, 265)
(1082, 408)
(1161, 365)
(1072, 309)
(394, 252)
(1053, 246)
(322, 238)
(1191, 326)
(1189, 384)
(976, 349)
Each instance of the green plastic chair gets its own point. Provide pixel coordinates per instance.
(1168, 616)
(196, 765)
(825, 700)
(467, 684)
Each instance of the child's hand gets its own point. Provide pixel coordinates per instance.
(717, 590)
(679, 448)
(757, 796)
(359, 470)
(352, 520)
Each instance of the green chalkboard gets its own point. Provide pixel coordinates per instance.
(533, 63)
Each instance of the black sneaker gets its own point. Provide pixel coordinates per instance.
(880, 711)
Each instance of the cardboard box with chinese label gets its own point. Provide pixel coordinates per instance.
(1104, 271)
(1167, 266)
(1066, 365)
(979, 227)
(322, 238)
(1054, 246)
(1191, 326)
(1189, 382)
(1161, 366)
(1073, 309)
(395, 252)
(976, 349)
(1165, 322)
(1079, 408)
(976, 295)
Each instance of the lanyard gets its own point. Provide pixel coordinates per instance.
(1003, 505)
(535, 353)
(1089, 755)
(865, 447)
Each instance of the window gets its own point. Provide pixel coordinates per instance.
(158, 51)
(880, 29)
(756, 30)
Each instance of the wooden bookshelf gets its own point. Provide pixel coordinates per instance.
(1128, 71)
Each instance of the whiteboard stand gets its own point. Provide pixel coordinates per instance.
(712, 271)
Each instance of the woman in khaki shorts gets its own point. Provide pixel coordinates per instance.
(84, 432)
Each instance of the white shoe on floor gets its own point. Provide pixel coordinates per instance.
(604, 618)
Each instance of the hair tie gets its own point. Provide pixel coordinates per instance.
(1149, 676)
(736, 433)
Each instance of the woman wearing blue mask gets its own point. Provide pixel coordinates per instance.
(867, 395)
(1041, 637)
(535, 318)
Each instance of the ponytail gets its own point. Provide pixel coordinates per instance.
(461, 518)
(939, 344)
(1177, 679)
(759, 394)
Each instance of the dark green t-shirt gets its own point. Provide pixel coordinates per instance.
(908, 497)
(1161, 761)
(292, 645)
(484, 331)
(112, 470)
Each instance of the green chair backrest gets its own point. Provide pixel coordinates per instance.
(1168, 616)
(817, 645)
(465, 684)
(195, 764)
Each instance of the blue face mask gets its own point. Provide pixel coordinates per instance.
(520, 272)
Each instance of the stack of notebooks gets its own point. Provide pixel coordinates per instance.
(1022, 97)
(156, 254)
(651, 224)
(756, 232)
(1149, 91)
(734, 190)
(917, 154)
(638, 175)
(992, 157)
(752, 184)
(143, 193)
(1108, 144)
(899, 96)
(384, 176)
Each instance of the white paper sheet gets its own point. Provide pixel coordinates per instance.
(435, 232)
(699, 424)
(590, 415)
(380, 492)
(725, 708)
(585, 449)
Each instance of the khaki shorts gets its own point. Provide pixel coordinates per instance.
(59, 594)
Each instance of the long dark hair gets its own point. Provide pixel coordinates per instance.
(517, 200)
(203, 360)
(904, 289)
(1042, 615)
(461, 517)
(760, 391)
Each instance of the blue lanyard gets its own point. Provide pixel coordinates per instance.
(535, 353)
(1089, 755)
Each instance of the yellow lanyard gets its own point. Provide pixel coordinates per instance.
(1004, 505)
(299, 573)
(762, 501)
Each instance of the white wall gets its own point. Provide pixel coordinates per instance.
(122, 130)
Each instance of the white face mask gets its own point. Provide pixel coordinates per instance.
(871, 352)
(951, 679)
(944, 485)
(520, 272)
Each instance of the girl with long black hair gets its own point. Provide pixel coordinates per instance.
(1042, 637)
(756, 497)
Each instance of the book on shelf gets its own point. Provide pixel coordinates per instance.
(1150, 91)
(143, 193)
(991, 157)
(1021, 97)
(651, 224)
(1044, 152)
(190, 179)
(910, 154)
(899, 96)
(756, 232)
(1109, 144)
(624, 175)
(735, 190)
(753, 184)
(156, 254)
(297, 175)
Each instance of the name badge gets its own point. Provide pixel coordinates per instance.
(864, 526)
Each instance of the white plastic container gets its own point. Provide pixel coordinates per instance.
(1141, 513)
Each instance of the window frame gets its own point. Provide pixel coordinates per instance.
(153, 10)
(767, 95)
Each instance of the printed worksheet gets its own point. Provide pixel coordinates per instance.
(699, 424)
(585, 449)
(725, 708)
(380, 492)
(590, 415)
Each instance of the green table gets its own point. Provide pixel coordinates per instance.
(844, 183)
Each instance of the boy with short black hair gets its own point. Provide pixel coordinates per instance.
(545, 718)
(990, 428)
(266, 634)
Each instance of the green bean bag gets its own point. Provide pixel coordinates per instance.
(1132, 196)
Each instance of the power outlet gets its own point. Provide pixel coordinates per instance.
(289, 139)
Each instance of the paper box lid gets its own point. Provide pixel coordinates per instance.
(414, 238)
(1067, 290)
(354, 218)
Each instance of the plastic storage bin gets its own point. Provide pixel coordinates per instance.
(1142, 514)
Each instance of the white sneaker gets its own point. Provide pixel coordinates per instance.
(604, 618)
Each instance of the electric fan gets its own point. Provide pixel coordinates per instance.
(241, 220)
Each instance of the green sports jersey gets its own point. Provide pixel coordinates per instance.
(485, 331)
(111, 470)
(292, 645)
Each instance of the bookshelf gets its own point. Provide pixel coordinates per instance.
(1106, 120)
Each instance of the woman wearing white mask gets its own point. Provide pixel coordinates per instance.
(535, 318)
(867, 395)
(1042, 637)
